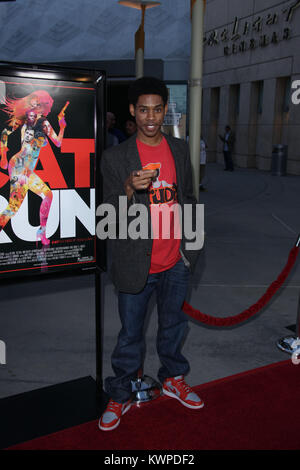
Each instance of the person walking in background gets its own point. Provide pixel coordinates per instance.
(115, 136)
(228, 142)
(203, 148)
(130, 126)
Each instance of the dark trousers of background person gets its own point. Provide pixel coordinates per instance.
(202, 172)
(228, 160)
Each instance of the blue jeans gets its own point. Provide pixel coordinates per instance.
(127, 358)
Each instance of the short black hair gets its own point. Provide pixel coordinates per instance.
(147, 86)
(38, 134)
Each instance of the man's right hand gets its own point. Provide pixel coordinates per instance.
(139, 180)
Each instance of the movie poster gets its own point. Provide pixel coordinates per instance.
(47, 175)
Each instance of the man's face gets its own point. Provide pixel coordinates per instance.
(149, 114)
(28, 135)
(110, 120)
(130, 127)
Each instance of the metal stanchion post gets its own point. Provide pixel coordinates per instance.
(145, 389)
(99, 336)
(290, 344)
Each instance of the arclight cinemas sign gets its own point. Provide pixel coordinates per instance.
(260, 30)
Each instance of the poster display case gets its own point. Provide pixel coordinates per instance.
(52, 136)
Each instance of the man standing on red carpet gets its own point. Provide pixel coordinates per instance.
(150, 170)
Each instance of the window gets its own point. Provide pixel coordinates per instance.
(260, 89)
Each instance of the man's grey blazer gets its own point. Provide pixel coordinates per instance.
(130, 261)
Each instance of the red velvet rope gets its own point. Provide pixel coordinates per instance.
(255, 308)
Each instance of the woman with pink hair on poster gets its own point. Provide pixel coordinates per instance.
(29, 113)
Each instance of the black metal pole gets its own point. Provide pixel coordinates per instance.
(298, 319)
(298, 310)
(99, 332)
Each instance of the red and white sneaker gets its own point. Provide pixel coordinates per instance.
(112, 415)
(176, 387)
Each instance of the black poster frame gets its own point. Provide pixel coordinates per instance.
(93, 78)
(97, 79)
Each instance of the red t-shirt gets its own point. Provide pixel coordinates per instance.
(163, 197)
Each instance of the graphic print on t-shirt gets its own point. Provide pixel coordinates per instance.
(161, 192)
(166, 230)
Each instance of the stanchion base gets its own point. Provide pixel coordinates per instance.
(288, 344)
(145, 389)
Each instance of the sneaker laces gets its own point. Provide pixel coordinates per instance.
(183, 385)
(114, 406)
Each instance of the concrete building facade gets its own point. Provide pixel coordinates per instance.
(251, 69)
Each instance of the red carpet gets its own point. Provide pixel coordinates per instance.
(257, 409)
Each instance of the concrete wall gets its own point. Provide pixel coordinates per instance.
(248, 43)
